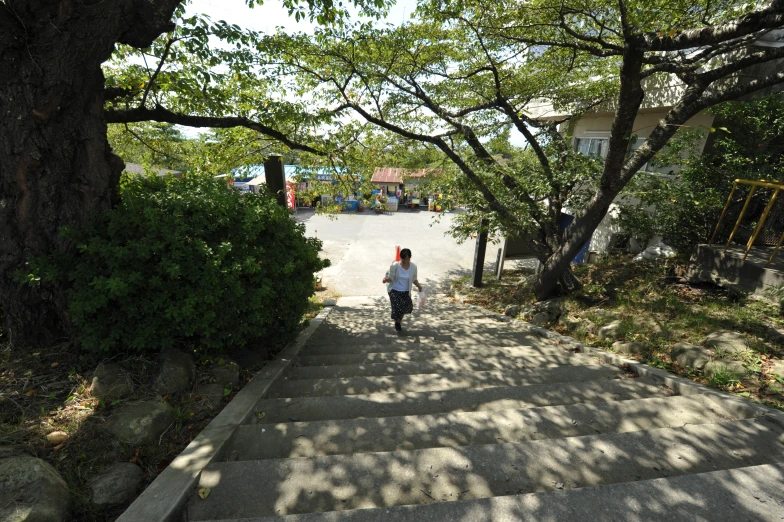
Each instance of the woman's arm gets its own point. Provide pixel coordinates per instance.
(416, 283)
(388, 279)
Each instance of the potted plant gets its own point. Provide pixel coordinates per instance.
(381, 203)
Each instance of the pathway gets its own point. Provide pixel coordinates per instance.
(467, 416)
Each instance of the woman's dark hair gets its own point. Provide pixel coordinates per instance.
(405, 253)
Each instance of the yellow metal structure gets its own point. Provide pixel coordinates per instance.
(777, 187)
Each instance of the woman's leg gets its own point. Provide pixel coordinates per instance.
(396, 315)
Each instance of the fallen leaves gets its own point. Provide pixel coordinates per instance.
(136, 455)
(204, 493)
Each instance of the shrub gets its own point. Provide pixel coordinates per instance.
(186, 262)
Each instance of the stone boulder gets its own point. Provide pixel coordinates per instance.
(140, 422)
(111, 382)
(512, 310)
(611, 331)
(570, 323)
(775, 335)
(541, 319)
(734, 368)
(226, 373)
(727, 342)
(628, 347)
(176, 371)
(209, 395)
(553, 307)
(117, 486)
(778, 368)
(689, 355)
(32, 491)
(528, 311)
(650, 325)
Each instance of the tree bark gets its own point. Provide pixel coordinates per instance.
(579, 232)
(56, 166)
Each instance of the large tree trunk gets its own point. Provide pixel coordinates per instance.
(557, 266)
(56, 167)
(579, 232)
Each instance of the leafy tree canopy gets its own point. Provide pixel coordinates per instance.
(458, 76)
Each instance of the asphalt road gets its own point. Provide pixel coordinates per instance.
(361, 247)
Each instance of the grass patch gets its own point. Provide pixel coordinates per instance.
(514, 289)
(654, 307)
(723, 379)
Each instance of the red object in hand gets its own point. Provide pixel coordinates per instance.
(397, 253)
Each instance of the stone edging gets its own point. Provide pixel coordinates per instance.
(677, 383)
(165, 498)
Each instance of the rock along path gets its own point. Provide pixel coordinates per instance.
(467, 416)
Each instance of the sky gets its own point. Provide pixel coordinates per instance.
(272, 14)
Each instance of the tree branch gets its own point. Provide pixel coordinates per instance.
(163, 115)
(144, 142)
(157, 70)
(113, 93)
(771, 17)
(741, 63)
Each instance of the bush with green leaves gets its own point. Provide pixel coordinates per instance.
(187, 263)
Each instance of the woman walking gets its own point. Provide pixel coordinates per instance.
(402, 276)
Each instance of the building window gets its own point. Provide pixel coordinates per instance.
(591, 146)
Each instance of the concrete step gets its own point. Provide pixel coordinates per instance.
(443, 364)
(334, 437)
(371, 480)
(436, 382)
(748, 493)
(332, 335)
(540, 348)
(516, 353)
(461, 400)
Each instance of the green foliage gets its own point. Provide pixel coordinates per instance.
(186, 262)
(722, 378)
(687, 204)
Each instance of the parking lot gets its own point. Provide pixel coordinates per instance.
(361, 247)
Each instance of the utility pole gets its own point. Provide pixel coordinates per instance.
(479, 254)
(276, 178)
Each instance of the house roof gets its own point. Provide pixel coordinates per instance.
(396, 175)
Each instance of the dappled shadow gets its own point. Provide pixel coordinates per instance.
(452, 430)
(334, 437)
(339, 482)
(644, 294)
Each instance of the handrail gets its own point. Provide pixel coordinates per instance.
(777, 187)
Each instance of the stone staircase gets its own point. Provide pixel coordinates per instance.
(466, 416)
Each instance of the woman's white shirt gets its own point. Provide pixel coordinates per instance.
(401, 283)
